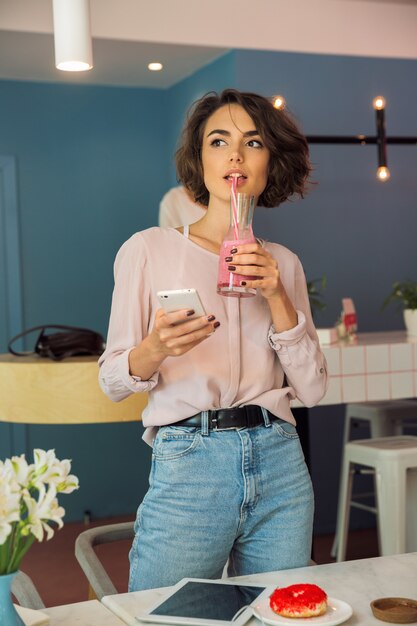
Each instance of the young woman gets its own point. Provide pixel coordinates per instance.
(228, 481)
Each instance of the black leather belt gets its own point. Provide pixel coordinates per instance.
(226, 419)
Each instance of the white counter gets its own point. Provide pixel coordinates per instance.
(375, 366)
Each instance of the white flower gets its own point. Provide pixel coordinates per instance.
(66, 482)
(9, 504)
(28, 503)
(46, 467)
(19, 468)
(49, 470)
(40, 511)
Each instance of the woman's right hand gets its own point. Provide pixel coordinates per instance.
(169, 338)
(174, 334)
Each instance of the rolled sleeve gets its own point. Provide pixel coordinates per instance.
(116, 381)
(134, 383)
(288, 337)
(128, 323)
(301, 359)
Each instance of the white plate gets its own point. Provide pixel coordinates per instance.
(337, 612)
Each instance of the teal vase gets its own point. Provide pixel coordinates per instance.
(8, 614)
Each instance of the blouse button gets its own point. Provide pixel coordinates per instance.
(321, 370)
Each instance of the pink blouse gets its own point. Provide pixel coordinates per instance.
(242, 362)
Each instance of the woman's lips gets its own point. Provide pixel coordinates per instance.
(240, 180)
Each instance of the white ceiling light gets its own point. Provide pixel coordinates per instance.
(155, 67)
(72, 33)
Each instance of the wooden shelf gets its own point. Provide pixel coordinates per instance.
(35, 390)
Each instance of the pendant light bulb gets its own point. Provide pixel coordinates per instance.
(383, 174)
(72, 35)
(279, 102)
(379, 103)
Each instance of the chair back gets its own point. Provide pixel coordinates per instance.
(25, 592)
(90, 563)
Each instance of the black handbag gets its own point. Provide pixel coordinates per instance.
(70, 341)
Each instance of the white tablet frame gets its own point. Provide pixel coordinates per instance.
(242, 618)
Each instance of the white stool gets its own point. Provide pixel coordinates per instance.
(385, 418)
(396, 491)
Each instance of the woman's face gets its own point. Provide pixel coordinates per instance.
(232, 147)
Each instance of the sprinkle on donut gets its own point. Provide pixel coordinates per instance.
(303, 600)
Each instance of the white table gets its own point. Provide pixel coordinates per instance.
(82, 614)
(356, 582)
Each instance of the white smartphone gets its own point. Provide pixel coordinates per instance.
(176, 299)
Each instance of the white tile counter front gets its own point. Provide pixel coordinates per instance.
(375, 366)
(355, 582)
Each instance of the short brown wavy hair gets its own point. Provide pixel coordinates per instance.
(289, 162)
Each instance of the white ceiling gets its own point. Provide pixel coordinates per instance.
(187, 34)
(30, 56)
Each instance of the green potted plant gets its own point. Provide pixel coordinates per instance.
(315, 295)
(405, 294)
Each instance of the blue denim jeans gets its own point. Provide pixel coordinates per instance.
(241, 496)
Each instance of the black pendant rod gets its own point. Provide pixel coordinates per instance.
(381, 140)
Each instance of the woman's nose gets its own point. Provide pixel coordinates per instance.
(235, 156)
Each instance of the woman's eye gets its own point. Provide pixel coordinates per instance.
(218, 142)
(255, 143)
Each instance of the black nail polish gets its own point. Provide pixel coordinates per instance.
(190, 312)
(211, 318)
(216, 324)
(233, 251)
(243, 283)
(228, 259)
(231, 268)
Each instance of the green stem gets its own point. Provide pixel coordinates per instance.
(24, 545)
(5, 554)
(16, 539)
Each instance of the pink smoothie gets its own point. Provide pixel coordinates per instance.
(226, 278)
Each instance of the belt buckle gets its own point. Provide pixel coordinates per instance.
(213, 421)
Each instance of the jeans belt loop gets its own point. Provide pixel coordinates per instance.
(265, 414)
(205, 423)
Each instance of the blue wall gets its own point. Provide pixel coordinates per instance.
(89, 174)
(93, 163)
(216, 76)
(359, 232)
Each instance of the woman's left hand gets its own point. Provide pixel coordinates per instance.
(251, 259)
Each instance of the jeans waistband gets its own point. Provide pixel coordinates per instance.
(247, 416)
